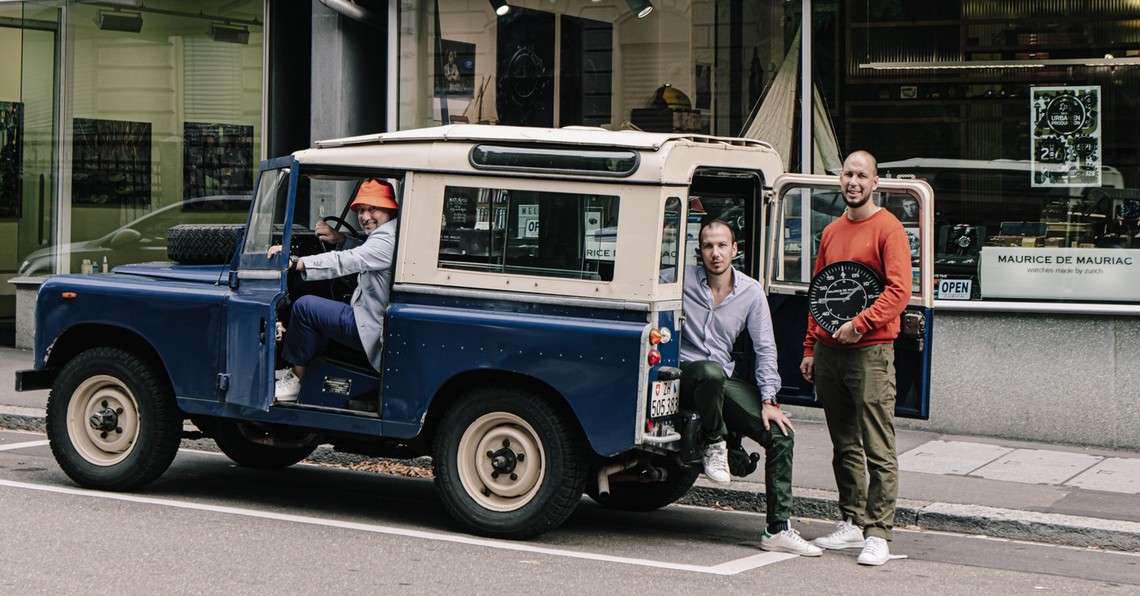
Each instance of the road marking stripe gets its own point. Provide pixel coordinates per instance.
(26, 444)
(728, 568)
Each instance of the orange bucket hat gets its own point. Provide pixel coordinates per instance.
(375, 193)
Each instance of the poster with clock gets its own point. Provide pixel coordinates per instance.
(840, 291)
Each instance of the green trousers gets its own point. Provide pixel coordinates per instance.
(857, 390)
(727, 404)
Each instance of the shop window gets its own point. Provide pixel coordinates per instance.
(525, 232)
(1001, 238)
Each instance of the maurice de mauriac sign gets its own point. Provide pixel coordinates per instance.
(1060, 273)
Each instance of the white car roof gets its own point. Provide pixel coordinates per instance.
(664, 158)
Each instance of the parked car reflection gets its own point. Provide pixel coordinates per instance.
(143, 239)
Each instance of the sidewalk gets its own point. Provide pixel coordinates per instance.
(1010, 489)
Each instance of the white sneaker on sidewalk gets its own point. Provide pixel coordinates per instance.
(789, 541)
(846, 535)
(287, 387)
(875, 553)
(716, 462)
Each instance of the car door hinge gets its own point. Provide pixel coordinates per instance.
(223, 381)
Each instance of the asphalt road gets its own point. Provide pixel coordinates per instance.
(208, 526)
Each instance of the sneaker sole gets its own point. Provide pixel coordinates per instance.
(780, 549)
(859, 545)
(871, 563)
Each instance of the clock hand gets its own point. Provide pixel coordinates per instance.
(844, 297)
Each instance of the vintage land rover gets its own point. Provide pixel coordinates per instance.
(531, 341)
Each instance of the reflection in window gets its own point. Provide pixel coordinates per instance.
(672, 244)
(529, 232)
(265, 224)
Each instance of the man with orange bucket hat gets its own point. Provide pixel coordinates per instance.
(359, 324)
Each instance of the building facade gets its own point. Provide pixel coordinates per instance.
(119, 114)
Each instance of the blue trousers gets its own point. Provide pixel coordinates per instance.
(314, 322)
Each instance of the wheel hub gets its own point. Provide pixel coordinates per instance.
(504, 460)
(105, 420)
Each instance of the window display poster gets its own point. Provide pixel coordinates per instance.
(217, 159)
(457, 72)
(1060, 273)
(11, 144)
(1065, 143)
(111, 162)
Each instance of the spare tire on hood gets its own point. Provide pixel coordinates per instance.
(203, 244)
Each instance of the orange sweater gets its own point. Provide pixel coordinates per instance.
(880, 243)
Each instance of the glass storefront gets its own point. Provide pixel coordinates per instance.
(132, 118)
(686, 65)
(1020, 114)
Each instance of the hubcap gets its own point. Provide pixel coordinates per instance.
(501, 461)
(103, 420)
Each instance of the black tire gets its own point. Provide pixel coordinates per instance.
(257, 446)
(135, 401)
(536, 491)
(203, 244)
(648, 496)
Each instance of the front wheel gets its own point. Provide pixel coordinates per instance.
(112, 420)
(508, 464)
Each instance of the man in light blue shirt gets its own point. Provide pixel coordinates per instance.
(720, 303)
(314, 321)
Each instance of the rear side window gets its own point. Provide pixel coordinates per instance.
(525, 232)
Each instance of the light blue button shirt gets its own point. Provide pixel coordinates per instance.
(709, 332)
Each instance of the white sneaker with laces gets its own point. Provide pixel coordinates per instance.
(789, 541)
(875, 553)
(846, 535)
(716, 462)
(287, 388)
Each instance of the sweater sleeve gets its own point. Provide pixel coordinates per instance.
(896, 294)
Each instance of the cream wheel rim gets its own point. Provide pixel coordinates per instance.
(103, 420)
(501, 461)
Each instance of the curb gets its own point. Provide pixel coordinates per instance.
(977, 520)
(16, 418)
(1031, 526)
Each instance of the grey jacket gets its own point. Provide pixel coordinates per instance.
(372, 261)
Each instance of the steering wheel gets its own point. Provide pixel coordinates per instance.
(340, 222)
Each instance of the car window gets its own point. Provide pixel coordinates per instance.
(550, 234)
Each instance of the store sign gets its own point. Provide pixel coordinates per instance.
(953, 289)
(528, 221)
(601, 243)
(1060, 273)
(1066, 147)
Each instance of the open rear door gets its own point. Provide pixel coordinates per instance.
(800, 208)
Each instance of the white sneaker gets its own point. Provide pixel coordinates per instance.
(875, 553)
(287, 388)
(716, 462)
(789, 541)
(846, 535)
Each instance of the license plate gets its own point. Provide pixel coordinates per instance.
(665, 399)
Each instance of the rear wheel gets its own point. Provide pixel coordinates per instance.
(648, 496)
(112, 420)
(258, 446)
(508, 464)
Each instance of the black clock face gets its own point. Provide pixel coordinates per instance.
(840, 292)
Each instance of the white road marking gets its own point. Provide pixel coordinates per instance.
(728, 568)
(24, 445)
